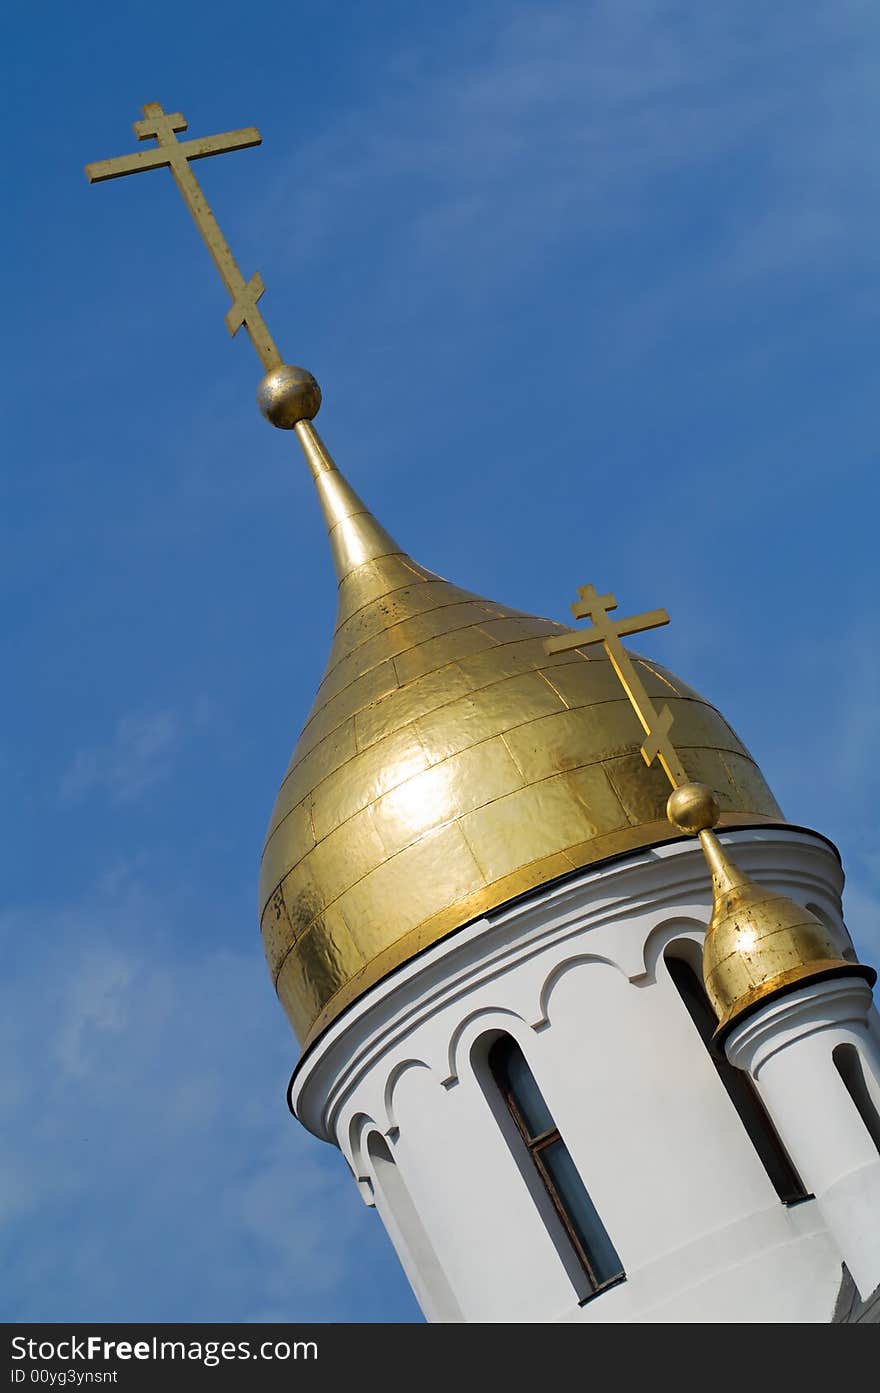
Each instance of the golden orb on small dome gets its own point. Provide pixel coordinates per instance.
(287, 395)
(693, 807)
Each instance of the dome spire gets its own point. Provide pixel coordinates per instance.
(290, 398)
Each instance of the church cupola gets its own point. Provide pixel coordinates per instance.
(592, 1051)
(449, 763)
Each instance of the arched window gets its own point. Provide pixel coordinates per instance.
(741, 1091)
(848, 1064)
(539, 1137)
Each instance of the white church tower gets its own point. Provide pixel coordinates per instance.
(486, 918)
(566, 1098)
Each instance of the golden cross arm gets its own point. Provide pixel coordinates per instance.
(177, 155)
(580, 638)
(162, 156)
(656, 724)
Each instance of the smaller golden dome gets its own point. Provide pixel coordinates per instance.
(758, 943)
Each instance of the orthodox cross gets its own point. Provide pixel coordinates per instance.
(176, 155)
(656, 724)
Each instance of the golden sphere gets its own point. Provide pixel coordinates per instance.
(693, 807)
(287, 395)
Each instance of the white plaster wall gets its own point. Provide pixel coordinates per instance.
(788, 1049)
(576, 975)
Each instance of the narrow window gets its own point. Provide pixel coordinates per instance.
(849, 1066)
(741, 1091)
(540, 1136)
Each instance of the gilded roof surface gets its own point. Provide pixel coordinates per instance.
(449, 764)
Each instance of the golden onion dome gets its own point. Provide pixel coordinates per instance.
(758, 943)
(449, 764)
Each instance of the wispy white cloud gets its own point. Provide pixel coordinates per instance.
(148, 1164)
(139, 755)
(573, 117)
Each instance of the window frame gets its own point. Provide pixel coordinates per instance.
(756, 1121)
(535, 1146)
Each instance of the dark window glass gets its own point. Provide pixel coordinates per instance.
(533, 1113)
(849, 1066)
(565, 1188)
(741, 1091)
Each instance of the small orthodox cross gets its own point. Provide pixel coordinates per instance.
(656, 724)
(176, 155)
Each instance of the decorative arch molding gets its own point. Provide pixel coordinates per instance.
(351, 1144)
(837, 926)
(358, 1128)
(559, 971)
(395, 1075)
(682, 927)
(481, 1022)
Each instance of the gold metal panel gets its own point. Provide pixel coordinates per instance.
(312, 767)
(619, 842)
(480, 715)
(514, 626)
(389, 610)
(696, 724)
(312, 973)
(467, 780)
(343, 857)
(708, 766)
(365, 778)
(660, 682)
(570, 739)
(400, 707)
(443, 619)
(325, 717)
(525, 826)
(643, 791)
(495, 662)
(376, 578)
(594, 789)
(586, 682)
(411, 633)
(304, 902)
(290, 841)
(752, 790)
(414, 808)
(510, 659)
(437, 652)
(277, 931)
(339, 675)
(427, 877)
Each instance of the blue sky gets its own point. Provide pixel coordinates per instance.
(593, 293)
